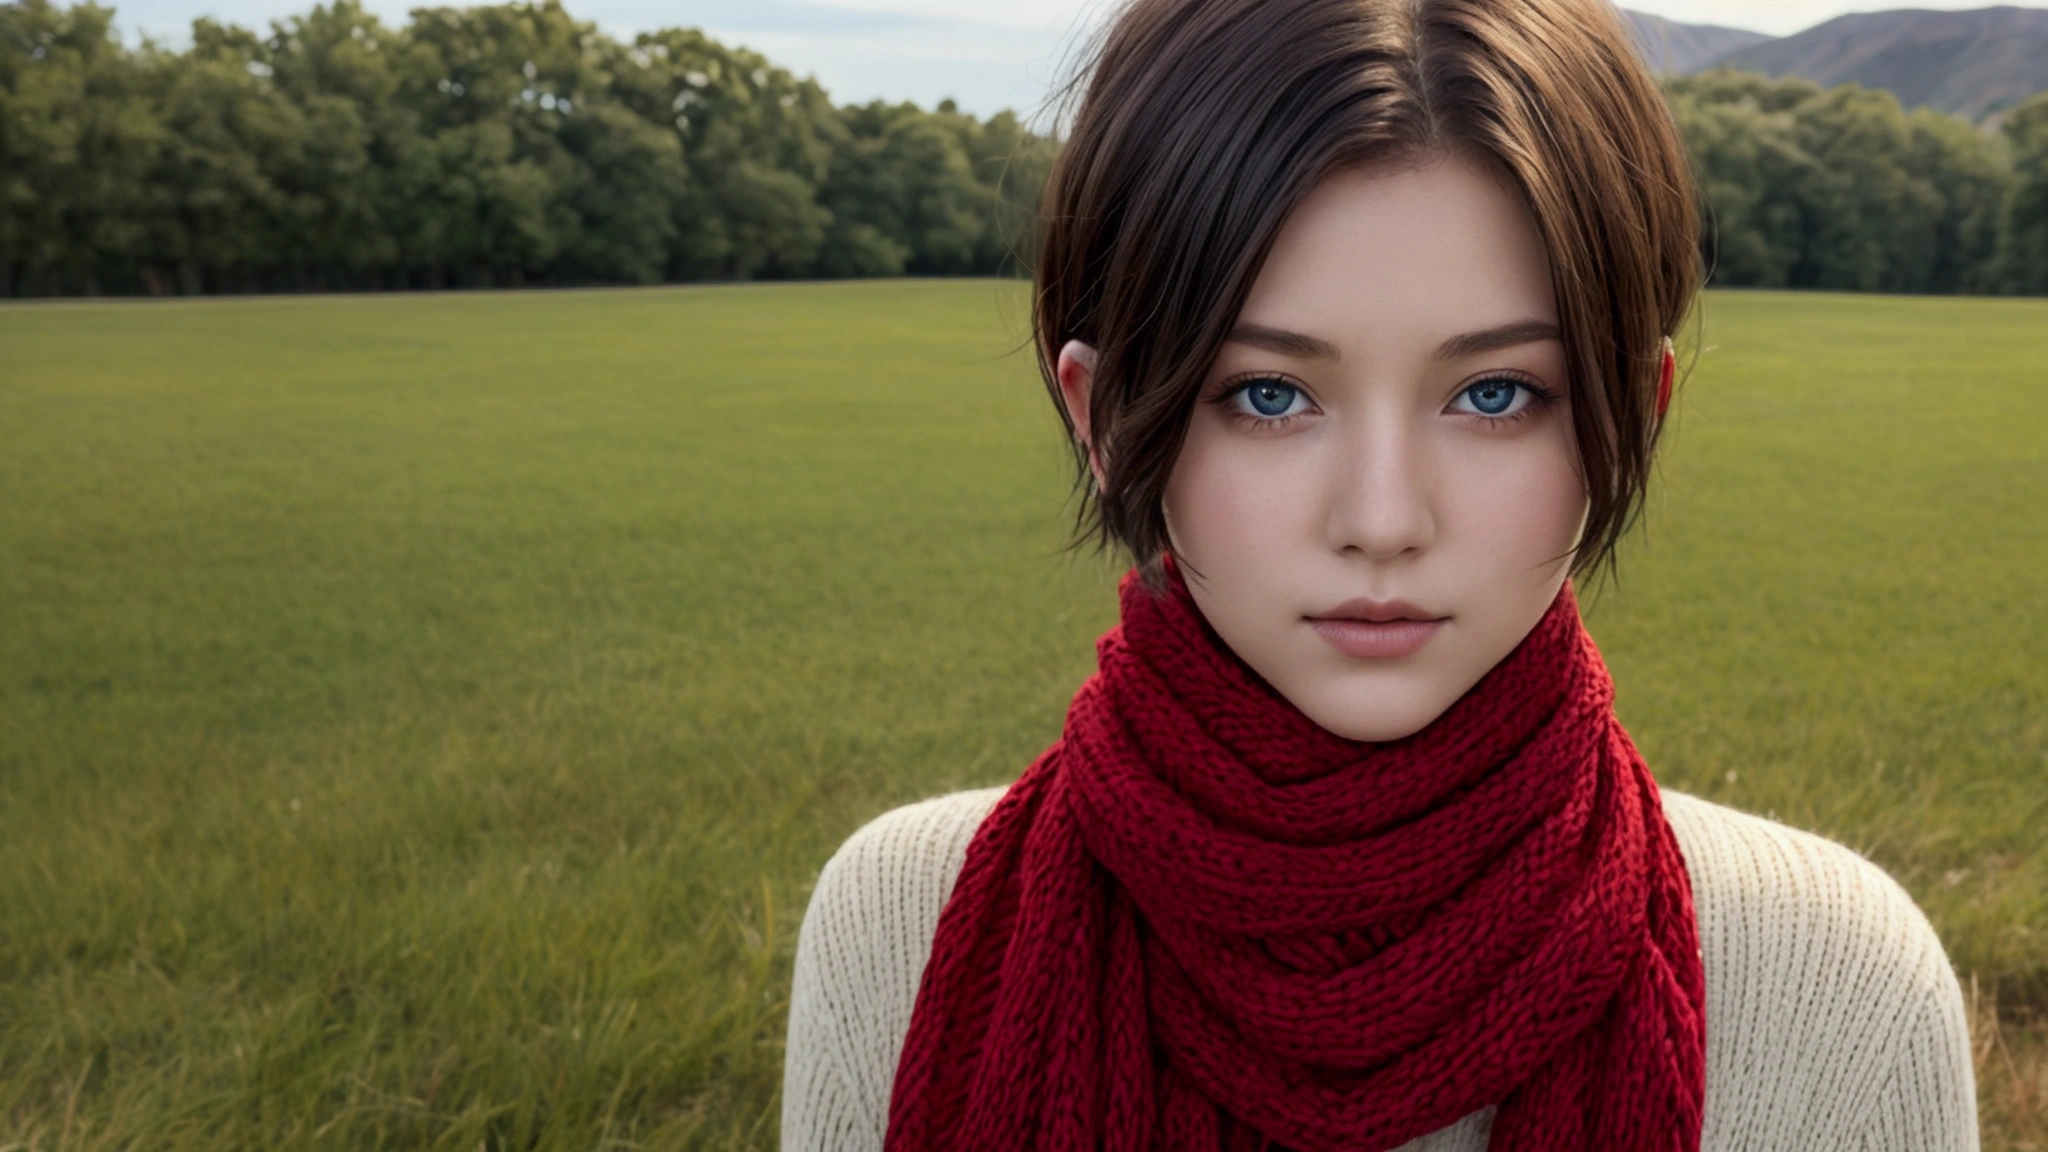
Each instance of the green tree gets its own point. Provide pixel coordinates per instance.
(903, 196)
(1974, 181)
(1877, 224)
(753, 137)
(2026, 219)
(78, 139)
(234, 168)
(1761, 187)
(336, 65)
(1013, 163)
(486, 194)
(1839, 188)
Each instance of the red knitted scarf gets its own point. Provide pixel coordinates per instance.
(1202, 921)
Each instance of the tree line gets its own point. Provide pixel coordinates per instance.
(512, 144)
(485, 146)
(1841, 188)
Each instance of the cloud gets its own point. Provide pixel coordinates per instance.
(994, 58)
(986, 56)
(780, 16)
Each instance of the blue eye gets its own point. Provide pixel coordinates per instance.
(1493, 397)
(1270, 398)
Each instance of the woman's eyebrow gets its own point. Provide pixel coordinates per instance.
(1304, 347)
(1282, 341)
(1494, 339)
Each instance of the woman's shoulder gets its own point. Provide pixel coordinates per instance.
(1829, 994)
(1776, 898)
(861, 952)
(885, 887)
(919, 826)
(899, 867)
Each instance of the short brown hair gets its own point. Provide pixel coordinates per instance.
(1203, 124)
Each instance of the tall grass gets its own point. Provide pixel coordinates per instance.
(421, 718)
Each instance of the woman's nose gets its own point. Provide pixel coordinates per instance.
(1380, 491)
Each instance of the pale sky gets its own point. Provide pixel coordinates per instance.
(986, 54)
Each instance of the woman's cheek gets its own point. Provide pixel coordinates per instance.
(1519, 506)
(1233, 500)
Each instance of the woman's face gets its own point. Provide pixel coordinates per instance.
(1379, 490)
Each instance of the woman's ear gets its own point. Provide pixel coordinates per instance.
(1076, 371)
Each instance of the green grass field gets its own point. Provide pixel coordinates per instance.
(421, 718)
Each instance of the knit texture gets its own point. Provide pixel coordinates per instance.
(1202, 921)
(1834, 1022)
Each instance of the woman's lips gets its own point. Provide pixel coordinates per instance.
(1377, 639)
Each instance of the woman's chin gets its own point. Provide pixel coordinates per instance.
(1377, 715)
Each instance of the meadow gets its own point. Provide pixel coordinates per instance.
(422, 717)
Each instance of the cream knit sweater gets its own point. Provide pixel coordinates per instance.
(1833, 1018)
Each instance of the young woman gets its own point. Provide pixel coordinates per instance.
(1358, 312)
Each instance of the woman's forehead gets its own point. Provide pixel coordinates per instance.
(1415, 255)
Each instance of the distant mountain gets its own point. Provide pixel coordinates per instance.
(1972, 63)
(1673, 47)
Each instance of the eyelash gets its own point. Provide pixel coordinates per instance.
(1264, 423)
(1539, 397)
